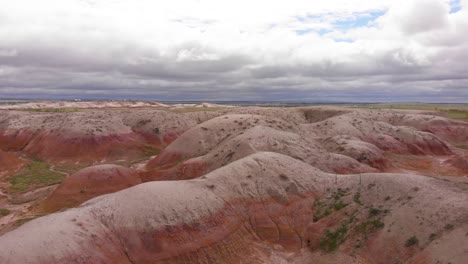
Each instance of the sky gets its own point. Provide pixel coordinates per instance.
(296, 50)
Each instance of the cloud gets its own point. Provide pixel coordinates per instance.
(422, 16)
(236, 50)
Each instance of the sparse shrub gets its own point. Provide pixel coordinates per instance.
(149, 150)
(357, 198)
(340, 205)
(448, 227)
(339, 194)
(411, 241)
(4, 212)
(230, 155)
(377, 224)
(332, 240)
(369, 226)
(374, 212)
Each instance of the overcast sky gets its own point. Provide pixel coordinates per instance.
(333, 50)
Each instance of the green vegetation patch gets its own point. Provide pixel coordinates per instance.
(456, 114)
(339, 205)
(332, 240)
(369, 226)
(4, 212)
(150, 151)
(411, 241)
(36, 174)
(323, 209)
(374, 212)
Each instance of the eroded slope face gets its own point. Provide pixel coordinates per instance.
(8, 163)
(265, 208)
(91, 136)
(396, 141)
(40, 149)
(89, 183)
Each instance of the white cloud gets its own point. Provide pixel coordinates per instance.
(237, 48)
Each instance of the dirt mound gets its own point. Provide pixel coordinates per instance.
(266, 207)
(89, 183)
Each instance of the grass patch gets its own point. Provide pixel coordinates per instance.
(369, 226)
(332, 240)
(377, 224)
(323, 209)
(456, 114)
(340, 193)
(339, 205)
(36, 173)
(4, 212)
(150, 151)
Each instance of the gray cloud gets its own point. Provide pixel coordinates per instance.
(415, 53)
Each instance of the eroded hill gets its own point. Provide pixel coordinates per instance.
(237, 185)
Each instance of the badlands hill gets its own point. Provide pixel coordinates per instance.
(265, 208)
(234, 185)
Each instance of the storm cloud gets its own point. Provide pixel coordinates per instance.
(335, 50)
